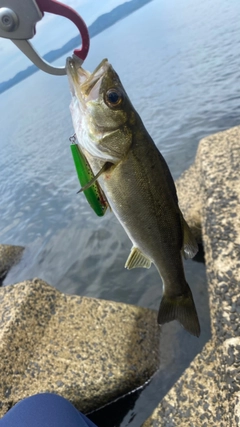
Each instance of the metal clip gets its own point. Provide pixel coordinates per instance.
(19, 18)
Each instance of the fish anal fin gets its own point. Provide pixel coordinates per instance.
(181, 308)
(190, 246)
(137, 259)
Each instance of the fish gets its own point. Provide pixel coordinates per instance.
(136, 182)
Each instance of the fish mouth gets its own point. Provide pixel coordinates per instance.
(85, 88)
(84, 85)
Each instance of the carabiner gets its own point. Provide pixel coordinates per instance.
(18, 21)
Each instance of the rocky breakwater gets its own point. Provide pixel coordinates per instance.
(208, 393)
(87, 350)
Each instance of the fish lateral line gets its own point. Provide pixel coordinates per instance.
(103, 169)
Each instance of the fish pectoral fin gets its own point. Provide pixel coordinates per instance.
(105, 167)
(190, 246)
(137, 259)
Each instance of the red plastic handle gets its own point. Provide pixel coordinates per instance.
(57, 8)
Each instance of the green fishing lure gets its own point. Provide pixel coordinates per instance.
(93, 192)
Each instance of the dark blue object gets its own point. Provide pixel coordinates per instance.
(45, 410)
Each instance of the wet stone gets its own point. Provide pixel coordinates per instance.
(9, 256)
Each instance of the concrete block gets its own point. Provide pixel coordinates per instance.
(87, 350)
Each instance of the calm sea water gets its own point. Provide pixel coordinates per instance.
(180, 64)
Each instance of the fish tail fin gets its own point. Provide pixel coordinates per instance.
(181, 308)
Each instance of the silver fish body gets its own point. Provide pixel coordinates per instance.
(137, 183)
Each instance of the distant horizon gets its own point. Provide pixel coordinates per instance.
(101, 23)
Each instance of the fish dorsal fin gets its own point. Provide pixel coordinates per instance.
(190, 246)
(137, 259)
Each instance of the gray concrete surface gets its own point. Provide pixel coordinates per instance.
(208, 393)
(88, 350)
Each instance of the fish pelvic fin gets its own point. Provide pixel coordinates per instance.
(137, 259)
(190, 246)
(181, 308)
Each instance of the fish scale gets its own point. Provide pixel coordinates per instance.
(140, 206)
(137, 183)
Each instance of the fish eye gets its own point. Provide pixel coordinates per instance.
(113, 97)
